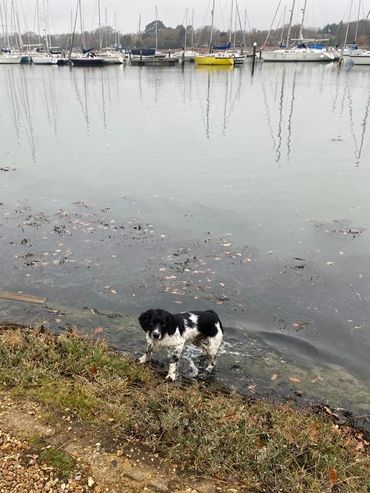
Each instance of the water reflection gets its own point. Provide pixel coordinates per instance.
(220, 88)
(212, 101)
(348, 100)
(19, 96)
(283, 96)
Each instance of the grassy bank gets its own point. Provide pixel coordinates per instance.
(259, 447)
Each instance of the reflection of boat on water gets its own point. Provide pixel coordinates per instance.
(361, 110)
(224, 86)
(283, 99)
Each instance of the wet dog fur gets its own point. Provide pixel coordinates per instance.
(173, 331)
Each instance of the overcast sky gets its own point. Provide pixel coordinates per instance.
(172, 12)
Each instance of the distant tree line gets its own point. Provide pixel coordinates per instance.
(172, 38)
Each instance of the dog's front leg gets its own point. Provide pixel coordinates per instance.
(175, 354)
(144, 358)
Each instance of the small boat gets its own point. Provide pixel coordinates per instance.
(44, 59)
(214, 59)
(362, 58)
(88, 60)
(187, 56)
(14, 59)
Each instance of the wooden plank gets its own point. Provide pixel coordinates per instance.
(26, 298)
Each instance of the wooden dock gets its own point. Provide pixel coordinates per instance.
(25, 298)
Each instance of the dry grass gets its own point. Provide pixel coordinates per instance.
(260, 447)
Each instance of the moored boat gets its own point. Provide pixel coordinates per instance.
(44, 59)
(300, 49)
(88, 60)
(212, 59)
(362, 58)
(300, 53)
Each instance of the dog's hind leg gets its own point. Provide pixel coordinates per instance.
(175, 354)
(212, 350)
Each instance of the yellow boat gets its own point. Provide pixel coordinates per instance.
(214, 60)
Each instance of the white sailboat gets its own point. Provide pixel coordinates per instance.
(187, 55)
(300, 49)
(352, 53)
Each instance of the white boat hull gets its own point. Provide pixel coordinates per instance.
(299, 55)
(361, 59)
(10, 59)
(44, 60)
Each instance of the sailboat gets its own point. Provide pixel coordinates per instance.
(7, 54)
(300, 49)
(43, 58)
(352, 52)
(88, 57)
(187, 55)
(213, 58)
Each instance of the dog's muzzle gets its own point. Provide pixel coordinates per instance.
(157, 334)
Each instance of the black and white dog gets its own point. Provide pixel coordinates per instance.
(173, 331)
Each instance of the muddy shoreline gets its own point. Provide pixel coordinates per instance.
(295, 398)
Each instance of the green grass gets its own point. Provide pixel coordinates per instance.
(261, 447)
(62, 463)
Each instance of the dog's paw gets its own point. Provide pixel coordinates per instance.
(170, 378)
(141, 360)
(210, 368)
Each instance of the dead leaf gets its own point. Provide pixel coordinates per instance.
(98, 330)
(333, 476)
(274, 377)
(295, 379)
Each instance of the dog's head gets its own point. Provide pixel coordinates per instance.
(157, 323)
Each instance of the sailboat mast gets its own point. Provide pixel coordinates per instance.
(186, 29)
(302, 22)
(347, 30)
(156, 28)
(290, 23)
(46, 34)
(245, 28)
(4, 21)
(100, 33)
(192, 28)
(212, 23)
(140, 30)
(358, 19)
(283, 28)
(81, 26)
(231, 20)
(115, 29)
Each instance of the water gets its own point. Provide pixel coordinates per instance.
(124, 188)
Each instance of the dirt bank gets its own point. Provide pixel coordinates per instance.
(77, 416)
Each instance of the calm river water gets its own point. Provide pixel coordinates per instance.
(123, 188)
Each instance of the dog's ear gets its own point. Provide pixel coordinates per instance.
(144, 320)
(171, 323)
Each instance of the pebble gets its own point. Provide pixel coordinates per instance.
(21, 472)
